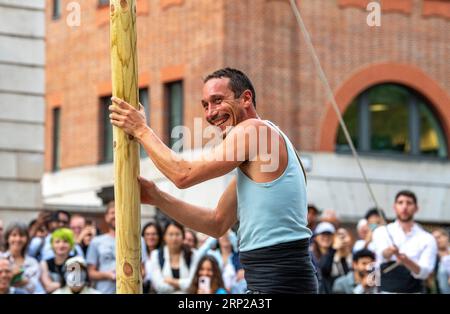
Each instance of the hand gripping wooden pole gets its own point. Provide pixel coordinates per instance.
(126, 150)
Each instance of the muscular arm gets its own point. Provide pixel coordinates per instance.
(185, 173)
(214, 222)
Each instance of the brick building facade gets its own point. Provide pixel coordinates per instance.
(181, 41)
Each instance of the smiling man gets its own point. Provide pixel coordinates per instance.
(269, 204)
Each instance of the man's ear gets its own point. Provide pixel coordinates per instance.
(248, 96)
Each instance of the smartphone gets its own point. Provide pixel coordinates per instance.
(17, 277)
(204, 283)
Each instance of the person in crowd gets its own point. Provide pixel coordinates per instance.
(365, 229)
(101, 255)
(173, 265)
(207, 278)
(359, 280)
(152, 235)
(225, 251)
(365, 236)
(37, 229)
(313, 216)
(190, 239)
(442, 266)
(84, 231)
(330, 215)
(76, 277)
(53, 270)
(41, 248)
(77, 224)
(374, 219)
(405, 251)
(337, 261)
(321, 244)
(6, 276)
(2, 248)
(26, 269)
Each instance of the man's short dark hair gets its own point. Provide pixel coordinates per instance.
(239, 82)
(406, 193)
(363, 253)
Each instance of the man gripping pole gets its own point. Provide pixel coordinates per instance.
(267, 196)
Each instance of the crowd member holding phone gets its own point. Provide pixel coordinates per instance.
(207, 278)
(338, 259)
(6, 275)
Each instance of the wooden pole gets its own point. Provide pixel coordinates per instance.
(126, 150)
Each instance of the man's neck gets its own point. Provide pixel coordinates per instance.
(356, 277)
(406, 225)
(112, 233)
(443, 251)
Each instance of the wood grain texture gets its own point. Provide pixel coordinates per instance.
(126, 150)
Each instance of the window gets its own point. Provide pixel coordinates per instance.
(393, 119)
(174, 97)
(144, 100)
(56, 153)
(56, 9)
(106, 131)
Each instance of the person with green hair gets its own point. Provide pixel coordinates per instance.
(53, 270)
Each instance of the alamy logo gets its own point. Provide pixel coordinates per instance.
(73, 19)
(374, 17)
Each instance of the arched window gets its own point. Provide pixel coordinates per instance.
(393, 119)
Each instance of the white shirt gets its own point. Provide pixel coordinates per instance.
(158, 275)
(418, 245)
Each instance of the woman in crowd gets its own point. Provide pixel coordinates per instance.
(172, 266)
(207, 278)
(152, 235)
(26, 270)
(442, 268)
(53, 270)
(321, 244)
(338, 259)
(190, 239)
